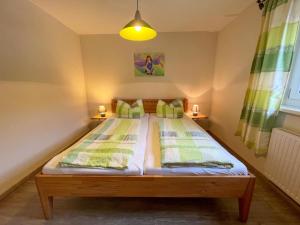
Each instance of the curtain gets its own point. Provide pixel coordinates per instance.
(269, 73)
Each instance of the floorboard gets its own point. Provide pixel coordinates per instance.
(22, 207)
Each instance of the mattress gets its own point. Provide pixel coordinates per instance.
(135, 168)
(152, 165)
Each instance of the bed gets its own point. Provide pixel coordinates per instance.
(155, 181)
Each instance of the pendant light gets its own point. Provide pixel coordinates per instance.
(137, 29)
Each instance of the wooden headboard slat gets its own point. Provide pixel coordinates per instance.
(149, 104)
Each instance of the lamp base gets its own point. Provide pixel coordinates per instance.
(102, 114)
(195, 113)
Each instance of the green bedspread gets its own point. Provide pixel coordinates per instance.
(184, 144)
(109, 146)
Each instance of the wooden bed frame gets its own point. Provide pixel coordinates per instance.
(221, 186)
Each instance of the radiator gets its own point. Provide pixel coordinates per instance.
(283, 162)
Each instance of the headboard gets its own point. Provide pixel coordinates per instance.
(149, 104)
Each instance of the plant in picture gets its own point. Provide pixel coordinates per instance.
(149, 64)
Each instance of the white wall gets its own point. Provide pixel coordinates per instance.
(42, 92)
(235, 50)
(189, 66)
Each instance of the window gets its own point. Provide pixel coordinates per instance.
(292, 95)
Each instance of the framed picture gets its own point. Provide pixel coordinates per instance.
(149, 64)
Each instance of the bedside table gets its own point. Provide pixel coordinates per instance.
(201, 120)
(97, 120)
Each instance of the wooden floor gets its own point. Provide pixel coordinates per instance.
(22, 207)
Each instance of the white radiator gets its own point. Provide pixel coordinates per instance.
(283, 162)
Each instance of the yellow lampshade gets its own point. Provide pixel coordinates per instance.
(133, 34)
(138, 30)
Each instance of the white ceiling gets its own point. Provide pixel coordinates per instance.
(108, 16)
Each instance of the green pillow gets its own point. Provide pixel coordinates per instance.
(124, 110)
(173, 110)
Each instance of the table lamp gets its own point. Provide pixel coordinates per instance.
(195, 110)
(102, 110)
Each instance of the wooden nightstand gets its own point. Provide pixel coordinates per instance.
(97, 119)
(201, 120)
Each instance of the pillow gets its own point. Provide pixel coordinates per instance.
(124, 110)
(173, 110)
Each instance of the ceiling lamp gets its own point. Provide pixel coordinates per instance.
(137, 29)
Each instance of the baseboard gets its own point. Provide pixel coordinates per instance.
(38, 169)
(258, 173)
(22, 181)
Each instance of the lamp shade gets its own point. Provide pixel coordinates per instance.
(102, 108)
(195, 108)
(138, 30)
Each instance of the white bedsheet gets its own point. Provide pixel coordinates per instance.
(135, 168)
(152, 164)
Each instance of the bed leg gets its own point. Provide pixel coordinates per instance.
(245, 200)
(47, 205)
(46, 201)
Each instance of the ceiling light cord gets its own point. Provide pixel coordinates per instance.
(137, 4)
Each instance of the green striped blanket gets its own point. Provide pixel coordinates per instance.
(184, 144)
(111, 145)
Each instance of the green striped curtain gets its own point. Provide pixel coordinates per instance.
(269, 73)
